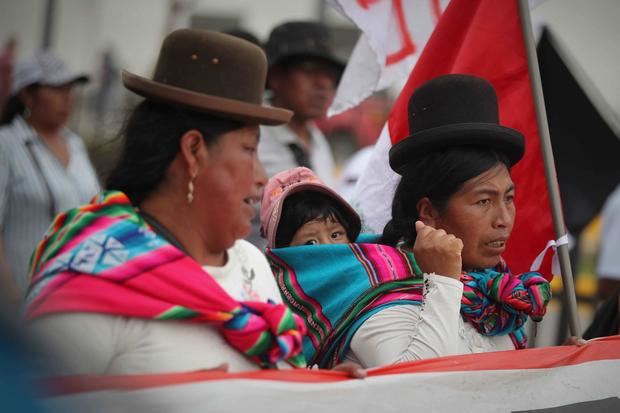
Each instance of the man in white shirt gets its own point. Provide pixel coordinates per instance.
(302, 77)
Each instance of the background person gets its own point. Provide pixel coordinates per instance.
(303, 75)
(8, 55)
(608, 265)
(606, 321)
(44, 167)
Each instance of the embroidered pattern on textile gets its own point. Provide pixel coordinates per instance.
(497, 302)
(104, 258)
(335, 288)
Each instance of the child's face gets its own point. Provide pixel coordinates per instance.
(320, 231)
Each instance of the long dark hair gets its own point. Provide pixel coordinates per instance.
(438, 176)
(14, 106)
(151, 137)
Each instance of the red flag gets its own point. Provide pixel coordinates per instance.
(484, 38)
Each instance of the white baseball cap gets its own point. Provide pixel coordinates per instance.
(44, 68)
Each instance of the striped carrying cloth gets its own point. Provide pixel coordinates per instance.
(104, 258)
(335, 288)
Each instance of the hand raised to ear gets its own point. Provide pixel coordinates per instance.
(437, 251)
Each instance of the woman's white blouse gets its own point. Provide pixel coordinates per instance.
(414, 332)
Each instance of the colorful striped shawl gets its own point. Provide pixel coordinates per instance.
(335, 288)
(104, 258)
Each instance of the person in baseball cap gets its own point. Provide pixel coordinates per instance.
(299, 209)
(46, 69)
(44, 166)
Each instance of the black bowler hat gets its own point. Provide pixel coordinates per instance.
(455, 110)
(298, 40)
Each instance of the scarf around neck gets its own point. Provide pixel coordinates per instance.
(336, 288)
(104, 258)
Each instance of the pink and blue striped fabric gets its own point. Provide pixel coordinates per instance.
(335, 288)
(104, 258)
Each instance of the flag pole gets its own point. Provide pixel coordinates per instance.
(552, 181)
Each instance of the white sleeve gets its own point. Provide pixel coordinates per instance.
(608, 265)
(5, 173)
(76, 343)
(413, 332)
(265, 282)
(274, 154)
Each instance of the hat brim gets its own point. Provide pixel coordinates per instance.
(332, 60)
(328, 58)
(276, 212)
(215, 105)
(73, 79)
(69, 79)
(487, 135)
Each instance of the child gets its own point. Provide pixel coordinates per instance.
(324, 283)
(299, 209)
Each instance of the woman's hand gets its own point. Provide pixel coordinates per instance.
(575, 341)
(438, 252)
(222, 368)
(354, 370)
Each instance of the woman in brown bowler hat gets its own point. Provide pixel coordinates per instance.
(154, 275)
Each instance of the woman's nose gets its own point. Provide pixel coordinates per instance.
(504, 216)
(260, 175)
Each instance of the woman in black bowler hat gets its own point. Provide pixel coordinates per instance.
(454, 208)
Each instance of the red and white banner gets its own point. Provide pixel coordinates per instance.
(482, 38)
(394, 33)
(566, 379)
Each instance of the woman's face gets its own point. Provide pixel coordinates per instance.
(228, 187)
(51, 106)
(481, 214)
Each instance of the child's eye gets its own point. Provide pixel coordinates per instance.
(311, 242)
(337, 235)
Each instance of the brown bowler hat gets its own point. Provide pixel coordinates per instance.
(210, 72)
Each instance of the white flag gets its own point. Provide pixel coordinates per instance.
(394, 33)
